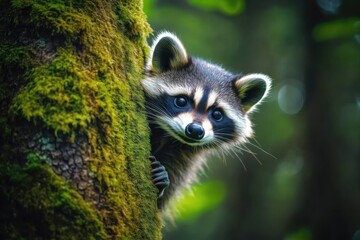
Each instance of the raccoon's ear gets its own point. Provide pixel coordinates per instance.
(252, 89)
(167, 53)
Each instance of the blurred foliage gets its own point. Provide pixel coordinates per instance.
(200, 198)
(311, 49)
(301, 234)
(188, 32)
(230, 7)
(339, 28)
(149, 7)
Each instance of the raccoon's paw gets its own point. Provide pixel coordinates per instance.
(159, 176)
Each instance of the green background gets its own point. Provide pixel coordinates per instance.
(300, 178)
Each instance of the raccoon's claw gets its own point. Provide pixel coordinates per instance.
(159, 176)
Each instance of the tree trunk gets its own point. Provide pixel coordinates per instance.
(74, 137)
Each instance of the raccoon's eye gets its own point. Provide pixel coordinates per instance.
(217, 115)
(180, 101)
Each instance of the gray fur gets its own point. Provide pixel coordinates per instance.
(182, 160)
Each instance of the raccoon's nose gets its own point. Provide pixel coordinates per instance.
(194, 131)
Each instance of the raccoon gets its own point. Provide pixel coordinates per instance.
(194, 107)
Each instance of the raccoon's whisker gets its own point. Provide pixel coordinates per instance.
(154, 108)
(246, 149)
(261, 149)
(253, 154)
(238, 157)
(222, 152)
(159, 108)
(236, 146)
(232, 151)
(155, 111)
(256, 141)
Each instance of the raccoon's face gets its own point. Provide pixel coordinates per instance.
(195, 117)
(195, 102)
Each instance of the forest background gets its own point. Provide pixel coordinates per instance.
(302, 179)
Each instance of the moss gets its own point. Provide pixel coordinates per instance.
(15, 60)
(90, 84)
(16, 54)
(60, 94)
(59, 17)
(131, 24)
(27, 190)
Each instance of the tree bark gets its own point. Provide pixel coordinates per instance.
(74, 137)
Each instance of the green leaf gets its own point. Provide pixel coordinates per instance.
(337, 29)
(149, 7)
(200, 199)
(301, 234)
(230, 7)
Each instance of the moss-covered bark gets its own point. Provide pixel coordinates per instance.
(74, 138)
